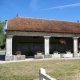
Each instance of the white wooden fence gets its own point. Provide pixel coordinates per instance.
(44, 76)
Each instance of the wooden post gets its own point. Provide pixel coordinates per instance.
(41, 71)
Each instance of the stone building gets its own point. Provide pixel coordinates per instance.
(30, 35)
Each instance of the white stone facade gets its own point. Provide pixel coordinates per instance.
(75, 46)
(9, 45)
(46, 41)
(46, 45)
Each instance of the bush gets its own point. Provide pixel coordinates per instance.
(18, 52)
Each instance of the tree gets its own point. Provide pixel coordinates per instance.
(2, 33)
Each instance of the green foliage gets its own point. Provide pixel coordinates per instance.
(2, 33)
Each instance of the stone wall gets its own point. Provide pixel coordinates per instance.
(14, 57)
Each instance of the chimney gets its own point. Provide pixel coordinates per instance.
(17, 15)
(78, 21)
(6, 24)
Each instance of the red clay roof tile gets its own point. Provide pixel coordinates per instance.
(42, 25)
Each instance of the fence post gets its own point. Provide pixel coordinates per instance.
(41, 71)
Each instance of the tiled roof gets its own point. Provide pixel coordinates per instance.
(42, 25)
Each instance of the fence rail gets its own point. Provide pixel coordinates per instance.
(44, 76)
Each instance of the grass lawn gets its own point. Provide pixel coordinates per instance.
(29, 70)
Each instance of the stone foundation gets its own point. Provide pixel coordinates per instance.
(69, 55)
(48, 56)
(56, 56)
(38, 56)
(78, 54)
(14, 57)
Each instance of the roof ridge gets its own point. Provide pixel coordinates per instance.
(42, 19)
(46, 19)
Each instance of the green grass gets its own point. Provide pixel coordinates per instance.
(29, 70)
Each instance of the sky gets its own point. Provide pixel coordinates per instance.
(68, 10)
